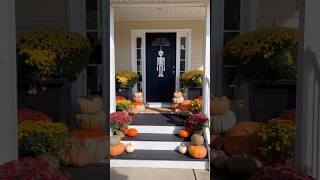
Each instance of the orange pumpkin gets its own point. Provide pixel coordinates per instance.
(137, 103)
(132, 132)
(242, 138)
(175, 106)
(184, 133)
(83, 134)
(198, 152)
(117, 150)
(186, 105)
(120, 98)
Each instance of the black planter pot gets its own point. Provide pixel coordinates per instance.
(194, 92)
(126, 93)
(269, 99)
(54, 101)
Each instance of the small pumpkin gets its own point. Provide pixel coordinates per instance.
(115, 140)
(198, 152)
(129, 148)
(220, 105)
(138, 95)
(178, 100)
(117, 150)
(222, 123)
(186, 105)
(197, 139)
(80, 157)
(184, 133)
(89, 104)
(132, 132)
(183, 149)
(177, 94)
(242, 138)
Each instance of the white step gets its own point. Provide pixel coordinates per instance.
(157, 129)
(155, 145)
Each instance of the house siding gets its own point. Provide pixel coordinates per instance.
(123, 39)
(277, 13)
(35, 14)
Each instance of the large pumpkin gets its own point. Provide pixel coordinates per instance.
(186, 105)
(97, 148)
(89, 104)
(80, 157)
(222, 123)
(91, 121)
(83, 134)
(242, 138)
(117, 150)
(220, 105)
(198, 152)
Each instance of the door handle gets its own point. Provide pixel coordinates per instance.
(173, 72)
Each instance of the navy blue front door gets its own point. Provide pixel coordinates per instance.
(160, 89)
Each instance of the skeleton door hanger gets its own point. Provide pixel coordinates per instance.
(161, 61)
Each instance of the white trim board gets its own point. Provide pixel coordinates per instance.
(155, 145)
(141, 33)
(160, 164)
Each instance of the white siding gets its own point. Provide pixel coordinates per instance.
(34, 14)
(123, 39)
(277, 12)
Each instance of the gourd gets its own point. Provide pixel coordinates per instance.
(89, 104)
(117, 150)
(177, 94)
(97, 148)
(129, 148)
(132, 132)
(242, 138)
(220, 105)
(91, 121)
(198, 152)
(184, 133)
(186, 105)
(115, 140)
(177, 100)
(222, 123)
(80, 157)
(242, 165)
(197, 139)
(83, 134)
(183, 149)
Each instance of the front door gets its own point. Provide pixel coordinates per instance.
(160, 66)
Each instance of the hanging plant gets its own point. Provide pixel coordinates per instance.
(192, 78)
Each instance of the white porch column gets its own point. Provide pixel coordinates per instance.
(308, 96)
(112, 64)
(8, 80)
(206, 78)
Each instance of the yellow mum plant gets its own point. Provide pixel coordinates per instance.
(123, 105)
(39, 137)
(265, 54)
(192, 78)
(126, 79)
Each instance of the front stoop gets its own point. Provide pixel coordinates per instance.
(156, 145)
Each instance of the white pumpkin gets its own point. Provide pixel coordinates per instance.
(129, 148)
(222, 123)
(89, 104)
(141, 107)
(177, 100)
(91, 121)
(183, 149)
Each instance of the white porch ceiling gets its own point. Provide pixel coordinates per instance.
(159, 13)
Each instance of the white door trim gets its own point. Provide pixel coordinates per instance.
(141, 33)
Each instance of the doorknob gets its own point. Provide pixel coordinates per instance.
(173, 72)
(174, 67)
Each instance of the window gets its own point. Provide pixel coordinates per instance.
(183, 55)
(139, 64)
(94, 33)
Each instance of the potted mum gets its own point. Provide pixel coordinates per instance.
(266, 61)
(119, 123)
(125, 80)
(48, 61)
(192, 80)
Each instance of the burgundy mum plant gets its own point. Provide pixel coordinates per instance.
(196, 123)
(30, 169)
(119, 121)
(280, 172)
